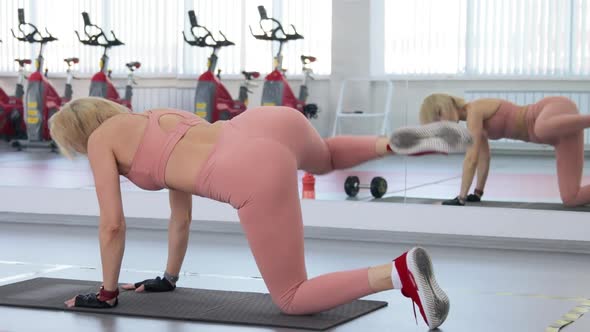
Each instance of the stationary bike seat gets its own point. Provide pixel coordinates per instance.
(308, 59)
(69, 61)
(251, 74)
(134, 64)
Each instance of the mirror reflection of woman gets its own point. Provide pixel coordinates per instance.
(554, 121)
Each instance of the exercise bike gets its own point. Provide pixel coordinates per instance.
(212, 100)
(276, 90)
(101, 84)
(12, 125)
(41, 100)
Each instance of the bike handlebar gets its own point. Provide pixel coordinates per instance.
(201, 41)
(93, 40)
(193, 18)
(262, 12)
(30, 37)
(21, 16)
(86, 18)
(272, 34)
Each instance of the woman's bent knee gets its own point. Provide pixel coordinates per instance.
(287, 305)
(570, 199)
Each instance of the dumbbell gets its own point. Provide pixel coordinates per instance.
(378, 186)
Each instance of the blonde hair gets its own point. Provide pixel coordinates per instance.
(439, 103)
(71, 127)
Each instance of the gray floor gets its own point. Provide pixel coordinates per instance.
(490, 290)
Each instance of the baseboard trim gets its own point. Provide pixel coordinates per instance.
(324, 233)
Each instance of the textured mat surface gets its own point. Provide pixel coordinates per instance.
(497, 204)
(183, 304)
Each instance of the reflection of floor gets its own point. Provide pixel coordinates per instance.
(42, 182)
(486, 203)
(511, 178)
(489, 290)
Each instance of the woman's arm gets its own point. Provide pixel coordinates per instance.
(483, 165)
(112, 222)
(178, 233)
(181, 205)
(111, 228)
(475, 126)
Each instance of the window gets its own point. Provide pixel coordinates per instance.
(67, 45)
(487, 37)
(311, 18)
(10, 48)
(312, 21)
(152, 33)
(424, 36)
(581, 37)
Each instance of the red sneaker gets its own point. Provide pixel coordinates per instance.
(418, 283)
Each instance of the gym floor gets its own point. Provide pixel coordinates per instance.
(490, 290)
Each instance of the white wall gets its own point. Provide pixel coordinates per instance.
(353, 24)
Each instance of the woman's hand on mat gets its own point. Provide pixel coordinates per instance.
(132, 287)
(151, 285)
(457, 201)
(90, 300)
(473, 198)
(71, 302)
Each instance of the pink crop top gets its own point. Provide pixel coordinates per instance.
(148, 167)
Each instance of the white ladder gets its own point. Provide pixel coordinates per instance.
(340, 113)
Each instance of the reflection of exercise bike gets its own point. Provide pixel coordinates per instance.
(101, 84)
(212, 100)
(69, 77)
(42, 100)
(12, 125)
(276, 89)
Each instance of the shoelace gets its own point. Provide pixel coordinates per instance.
(411, 298)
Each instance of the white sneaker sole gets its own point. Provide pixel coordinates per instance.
(443, 137)
(434, 300)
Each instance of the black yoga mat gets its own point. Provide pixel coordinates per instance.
(187, 304)
(484, 203)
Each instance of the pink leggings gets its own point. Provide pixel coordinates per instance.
(560, 124)
(254, 168)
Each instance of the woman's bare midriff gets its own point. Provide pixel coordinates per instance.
(187, 158)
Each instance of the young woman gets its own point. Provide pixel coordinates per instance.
(552, 120)
(250, 162)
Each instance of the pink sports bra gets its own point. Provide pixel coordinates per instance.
(148, 167)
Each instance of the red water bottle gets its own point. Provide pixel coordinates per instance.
(308, 186)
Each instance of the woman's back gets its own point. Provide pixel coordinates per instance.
(138, 144)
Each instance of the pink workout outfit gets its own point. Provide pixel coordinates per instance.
(253, 167)
(554, 121)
